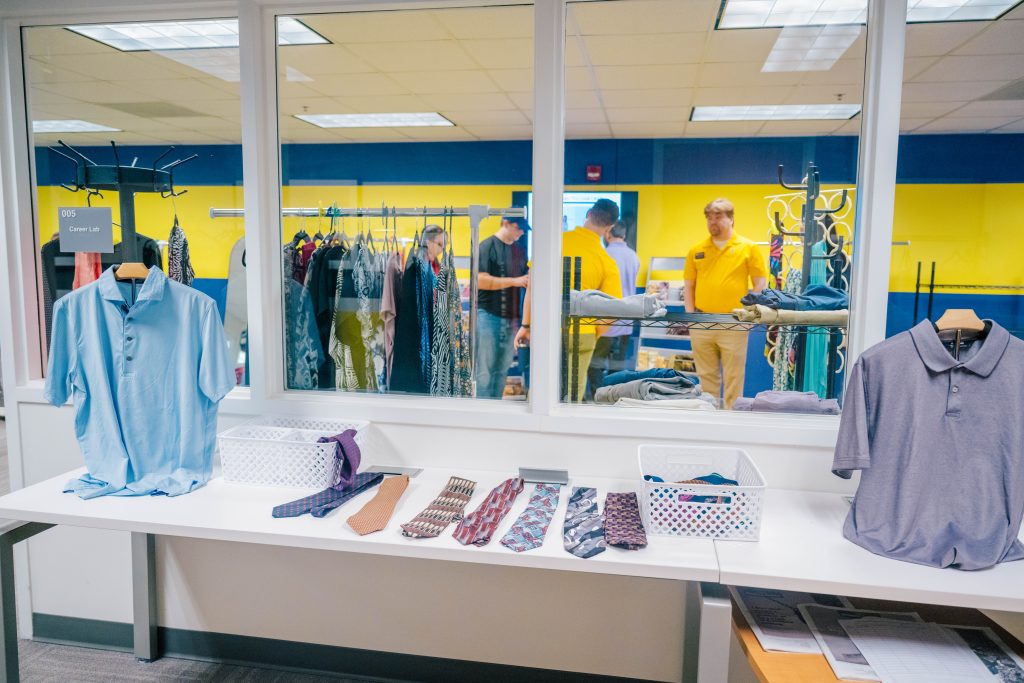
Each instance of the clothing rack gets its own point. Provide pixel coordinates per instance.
(126, 181)
(933, 285)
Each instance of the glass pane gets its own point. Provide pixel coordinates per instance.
(956, 223)
(417, 115)
(88, 85)
(681, 124)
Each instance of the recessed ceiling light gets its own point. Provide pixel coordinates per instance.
(375, 120)
(776, 112)
(189, 35)
(70, 126)
(777, 13)
(810, 48)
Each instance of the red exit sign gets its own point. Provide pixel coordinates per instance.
(593, 174)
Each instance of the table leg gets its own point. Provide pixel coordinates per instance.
(708, 630)
(11, 534)
(144, 596)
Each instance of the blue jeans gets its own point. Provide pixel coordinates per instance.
(493, 353)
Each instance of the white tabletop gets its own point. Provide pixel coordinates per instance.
(233, 512)
(802, 548)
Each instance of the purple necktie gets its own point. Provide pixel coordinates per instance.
(346, 456)
(622, 525)
(320, 504)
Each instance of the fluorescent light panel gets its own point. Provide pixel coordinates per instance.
(70, 126)
(779, 13)
(810, 48)
(220, 62)
(189, 35)
(776, 112)
(375, 120)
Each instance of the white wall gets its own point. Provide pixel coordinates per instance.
(616, 625)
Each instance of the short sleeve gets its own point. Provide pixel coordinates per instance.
(689, 270)
(63, 362)
(216, 371)
(486, 251)
(853, 447)
(756, 264)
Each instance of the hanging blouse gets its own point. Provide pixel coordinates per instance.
(179, 266)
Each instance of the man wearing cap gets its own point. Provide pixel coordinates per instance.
(502, 273)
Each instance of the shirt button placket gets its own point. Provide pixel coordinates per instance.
(953, 398)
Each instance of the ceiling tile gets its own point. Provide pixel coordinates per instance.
(438, 83)
(963, 91)
(288, 90)
(646, 77)
(44, 98)
(431, 133)
(800, 128)
(620, 17)
(927, 110)
(344, 28)
(574, 51)
(493, 22)
(648, 115)
(48, 40)
(356, 84)
(912, 66)
(932, 40)
(665, 48)
(990, 108)
(507, 53)
(312, 134)
(744, 74)
(990, 68)
(740, 46)
(737, 96)
(850, 70)
(432, 55)
(120, 66)
(722, 129)
(380, 104)
(43, 72)
(484, 132)
(909, 124)
(824, 94)
(1015, 127)
(513, 80)
(508, 117)
(679, 97)
(850, 127)
(313, 105)
(999, 38)
(656, 129)
(321, 59)
(966, 125)
(468, 102)
(587, 130)
(372, 134)
(95, 91)
(221, 108)
(582, 99)
(179, 90)
(575, 116)
(227, 89)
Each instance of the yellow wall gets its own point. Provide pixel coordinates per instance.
(974, 232)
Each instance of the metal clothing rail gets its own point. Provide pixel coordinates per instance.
(338, 212)
(933, 285)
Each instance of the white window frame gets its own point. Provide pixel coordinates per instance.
(262, 201)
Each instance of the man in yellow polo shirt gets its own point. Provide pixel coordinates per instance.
(718, 272)
(598, 270)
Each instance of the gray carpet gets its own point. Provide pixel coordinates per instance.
(46, 663)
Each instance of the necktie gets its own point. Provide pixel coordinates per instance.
(478, 526)
(375, 515)
(528, 530)
(583, 533)
(321, 503)
(622, 525)
(445, 509)
(346, 456)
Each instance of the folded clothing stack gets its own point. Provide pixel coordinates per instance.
(813, 298)
(759, 313)
(656, 385)
(595, 303)
(788, 402)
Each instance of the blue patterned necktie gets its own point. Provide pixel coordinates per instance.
(529, 529)
(320, 504)
(583, 533)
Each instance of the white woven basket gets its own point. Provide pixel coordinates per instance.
(727, 513)
(283, 451)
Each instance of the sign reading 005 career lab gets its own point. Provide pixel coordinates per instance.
(86, 229)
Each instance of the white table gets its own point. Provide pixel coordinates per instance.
(231, 512)
(802, 548)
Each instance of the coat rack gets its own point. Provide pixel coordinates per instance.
(126, 181)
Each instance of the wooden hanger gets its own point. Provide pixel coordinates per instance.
(131, 271)
(960, 319)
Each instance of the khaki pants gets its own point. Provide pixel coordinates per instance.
(588, 342)
(720, 348)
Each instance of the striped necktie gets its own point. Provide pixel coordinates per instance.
(583, 533)
(478, 526)
(445, 509)
(529, 529)
(375, 515)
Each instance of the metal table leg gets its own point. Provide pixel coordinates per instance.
(144, 596)
(10, 534)
(707, 635)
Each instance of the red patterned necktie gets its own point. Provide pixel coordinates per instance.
(622, 525)
(478, 526)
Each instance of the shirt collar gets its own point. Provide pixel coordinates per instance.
(934, 354)
(152, 289)
(587, 232)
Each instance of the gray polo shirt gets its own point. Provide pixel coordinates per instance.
(941, 446)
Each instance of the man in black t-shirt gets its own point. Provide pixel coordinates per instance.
(502, 273)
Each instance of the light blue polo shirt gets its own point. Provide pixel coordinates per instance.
(145, 379)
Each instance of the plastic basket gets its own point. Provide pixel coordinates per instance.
(726, 513)
(283, 451)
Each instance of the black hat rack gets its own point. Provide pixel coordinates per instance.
(126, 181)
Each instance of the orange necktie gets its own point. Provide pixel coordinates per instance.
(375, 515)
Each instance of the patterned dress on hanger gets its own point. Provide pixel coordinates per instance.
(783, 373)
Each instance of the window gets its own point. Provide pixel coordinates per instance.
(145, 87)
(678, 126)
(959, 193)
(391, 129)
